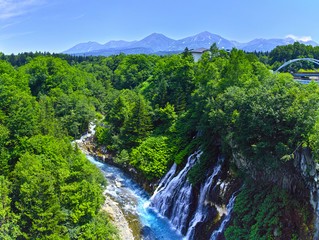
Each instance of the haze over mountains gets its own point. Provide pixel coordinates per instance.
(160, 44)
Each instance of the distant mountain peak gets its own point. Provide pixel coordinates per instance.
(158, 42)
(205, 33)
(157, 36)
(155, 42)
(85, 47)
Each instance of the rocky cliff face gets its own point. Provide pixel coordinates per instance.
(309, 169)
(289, 175)
(208, 204)
(299, 176)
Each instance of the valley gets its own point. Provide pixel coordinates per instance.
(220, 148)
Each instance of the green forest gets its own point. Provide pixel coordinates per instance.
(150, 112)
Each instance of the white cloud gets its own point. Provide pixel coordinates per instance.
(7, 26)
(296, 38)
(13, 35)
(13, 8)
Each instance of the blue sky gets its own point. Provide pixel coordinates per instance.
(57, 25)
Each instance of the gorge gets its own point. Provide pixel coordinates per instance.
(177, 210)
(173, 211)
(221, 148)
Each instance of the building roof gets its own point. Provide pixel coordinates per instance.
(199, 50)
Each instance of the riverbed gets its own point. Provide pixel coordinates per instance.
(133, 201)
(127, 203)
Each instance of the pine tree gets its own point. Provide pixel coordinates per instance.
(9, 228)
(37, 202)
(138, 124)
(118, 114)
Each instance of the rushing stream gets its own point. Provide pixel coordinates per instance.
(173, 198)
(134, 201)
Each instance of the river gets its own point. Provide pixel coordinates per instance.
(173, 198)
(134, 202)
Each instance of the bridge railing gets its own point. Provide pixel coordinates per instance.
(315, 61)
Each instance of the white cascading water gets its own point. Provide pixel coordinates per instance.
(201, 212)
(222, 226)
(174, 197)
(133, 200)
(315, 205)
(164, 182)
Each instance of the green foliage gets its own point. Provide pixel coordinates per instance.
(46, 73)
(184, 152)
(182, 138)
(164, 118)
(56, 188)
(199, 172)
(118, 114)
(75, 112)
(24, 58)
(186, 53)
(21, 119)
(4, 154)
(103, 135)
(123, 158)
(37, 201)
(46, 119)
(152, 156)
(133, 70)
(282, 54)
(137, 125)
(73, 94)
(158, 110)
(53, 191)
(264, 211)
(263, 120)
(9, 228)
(99, 228)
(173, 82)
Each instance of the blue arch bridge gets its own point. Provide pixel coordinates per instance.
(304, 78)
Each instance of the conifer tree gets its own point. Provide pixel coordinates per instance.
(9, 228)
(138, 124)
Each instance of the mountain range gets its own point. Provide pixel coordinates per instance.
(157, 43)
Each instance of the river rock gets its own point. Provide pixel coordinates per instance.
(118, 184)
(307, 155)
(117, 218)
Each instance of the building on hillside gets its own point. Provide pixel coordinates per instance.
(197, 53)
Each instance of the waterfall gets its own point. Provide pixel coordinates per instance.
(314, 200)
(201, 211)
(174, 195)
(174, 199)
(164, 182)
(90, 133)
(222, 226)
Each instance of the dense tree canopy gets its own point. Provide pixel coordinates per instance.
(156, 111)
(281, 54)
(49, 190)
